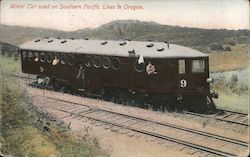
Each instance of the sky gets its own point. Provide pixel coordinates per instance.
(78, 14)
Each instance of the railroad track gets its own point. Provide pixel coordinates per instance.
(203, 143)
(225, 116)
(230, 117)
(20, 77)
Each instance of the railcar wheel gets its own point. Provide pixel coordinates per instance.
(196, 104)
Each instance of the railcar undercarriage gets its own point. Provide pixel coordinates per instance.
(157, 102)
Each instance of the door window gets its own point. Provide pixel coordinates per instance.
(182, 67)
(198, 66)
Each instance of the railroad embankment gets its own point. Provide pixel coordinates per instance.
(25, 132)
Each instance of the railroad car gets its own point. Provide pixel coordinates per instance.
(150, 68)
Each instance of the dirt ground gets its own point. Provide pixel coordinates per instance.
(121, 145)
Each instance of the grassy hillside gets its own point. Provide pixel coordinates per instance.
(237, 58)
(201, 39)
(24, 132)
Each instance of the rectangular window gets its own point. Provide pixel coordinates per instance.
(198, 66)
(182, 67)
(24, 55)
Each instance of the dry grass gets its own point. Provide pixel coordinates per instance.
(230, 60)
(233, 102)
(232, 95)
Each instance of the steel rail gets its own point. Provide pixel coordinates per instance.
(184, 143)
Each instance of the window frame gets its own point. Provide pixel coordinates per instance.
(24, 55)
(139, 67)
(49, 57)
(185, 70)
(117, 60)
(201, 69)
(42, 57)
(63, 59)
(30, 55)
(97, 62)
(108, 65)
(88, 61)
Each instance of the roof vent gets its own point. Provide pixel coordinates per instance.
(50, 41)
(104, 43)
(37, 40)
(123, 43)
(160, 49)
(167, 43)
(86, 38)
(150, 45)
(64, 41)
(131, 52)
(78, 48)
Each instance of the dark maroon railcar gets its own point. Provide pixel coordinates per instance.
(180, 71)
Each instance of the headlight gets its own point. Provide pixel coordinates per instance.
(210, 80)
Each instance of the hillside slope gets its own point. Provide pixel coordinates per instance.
(200, 39)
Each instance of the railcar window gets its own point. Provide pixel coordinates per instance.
(106, 63)
(139, 67)
(36, 56)
(24, 55)
(49, 57)
(116, 63)
(30, 55)
(63, 59)
(57, 56)
(182, 67)
(97, 62)
(88, 61)
(198, 66)
(70, 59)
(42, 57)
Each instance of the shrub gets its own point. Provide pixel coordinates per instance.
(216, 47)
(234, 78)
(227, 48)
(230, 41)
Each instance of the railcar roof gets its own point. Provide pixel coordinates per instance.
(113, 48)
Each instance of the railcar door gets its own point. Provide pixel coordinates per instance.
(80, 77)
(153, 75)
(182, 77)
